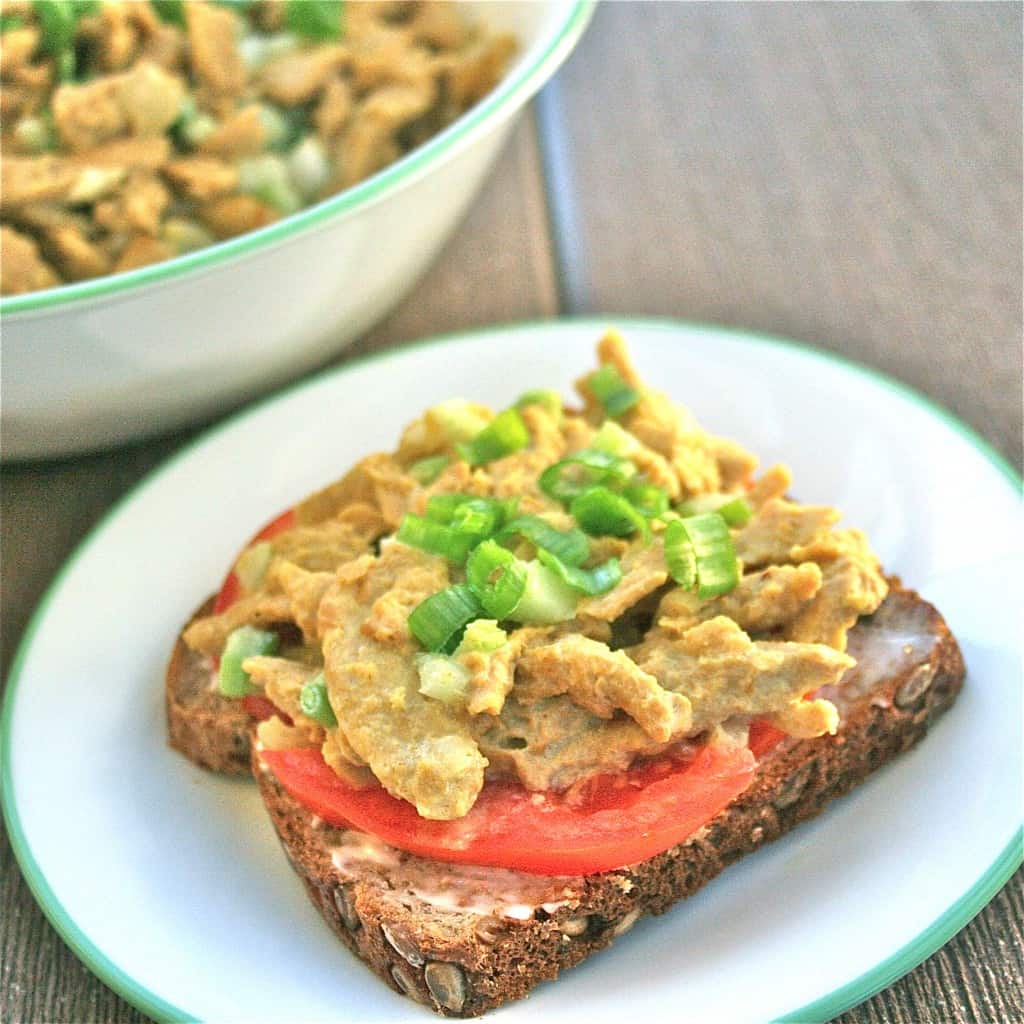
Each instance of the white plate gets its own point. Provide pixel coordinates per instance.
(169, 882)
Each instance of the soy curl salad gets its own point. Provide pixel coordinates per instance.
(546, 638)
(139, 130)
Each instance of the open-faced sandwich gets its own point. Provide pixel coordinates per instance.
(544, 671)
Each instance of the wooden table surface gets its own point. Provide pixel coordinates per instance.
(844, 174)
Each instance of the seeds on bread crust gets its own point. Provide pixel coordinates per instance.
(447, 984)
(915, 686)
(346, 911)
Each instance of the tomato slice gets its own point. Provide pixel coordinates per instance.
(231, 589)
(615, 821)
(763, 737)
(261, 708)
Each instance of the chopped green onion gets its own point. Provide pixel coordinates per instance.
(192, 130)
(591, 582)
(647, 499)
(483, 636)
(546, 598)
(58, 20)
(309, 167)
(570, 546)
(481, 521)
(259, 49)
(505, 434)
(266, 178)
(679, 555)
(497, 577)
(244, 642)
(438, 622)
(609, 388)
(462, 511)
(441, 507)
(582, 470)
(717, 568)
(544, 397)
(603, 513)
(458, 418)
(171, 11)
(437, 538)
(66, 66)
(716, 565)
(611, 438)
(426, 471)
(185, 235)
(56, 25)
(314, 703)
(735, 511)
(315, 19)
(442, 678)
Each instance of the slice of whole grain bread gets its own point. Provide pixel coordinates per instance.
(207, 728)
(463, 940)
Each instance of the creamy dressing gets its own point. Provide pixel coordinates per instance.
(882, 653)
(459, 888)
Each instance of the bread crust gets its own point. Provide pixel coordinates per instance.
(210, 730)
(462, 963)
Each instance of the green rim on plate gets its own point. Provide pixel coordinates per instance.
(516, 86)
(958, 914)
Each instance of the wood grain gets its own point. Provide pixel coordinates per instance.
(847, 174)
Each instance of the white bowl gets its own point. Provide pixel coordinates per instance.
(92, 364)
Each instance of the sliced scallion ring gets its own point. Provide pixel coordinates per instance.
(598, 580)
(603, 513)
(426, 471)
(611, 390)
(504, 435)
(437, 538)
(576, 473)
(679, 555)
(735, 511)
(547, 598)
(244, 642)
(704, 539)
(315, 19)
(570, 546)
(717, 567)
(647, 499)
(438, 622)
(314, 703)
(497, 578)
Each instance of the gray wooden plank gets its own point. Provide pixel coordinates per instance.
(846, 174)
(497, 267)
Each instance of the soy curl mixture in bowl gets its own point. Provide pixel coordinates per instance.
(137, 131)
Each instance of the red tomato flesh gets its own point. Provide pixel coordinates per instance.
(763, 737)
(231, 589)
(261, 708)
(613, 821)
